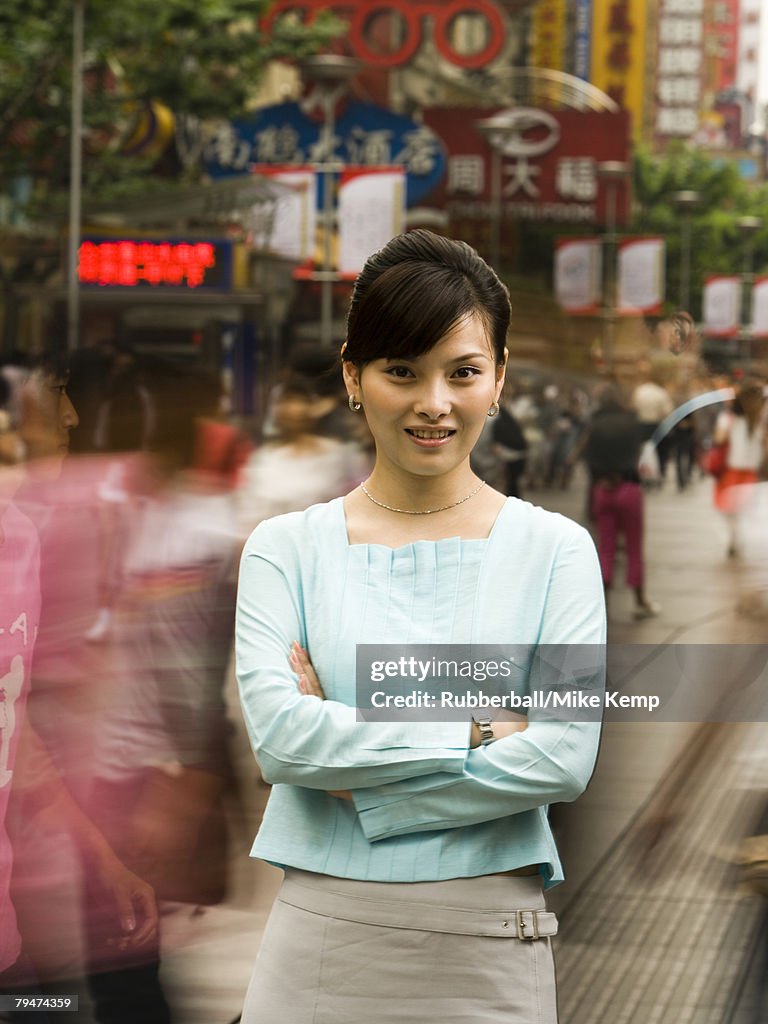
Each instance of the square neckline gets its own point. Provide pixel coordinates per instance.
(445, 541)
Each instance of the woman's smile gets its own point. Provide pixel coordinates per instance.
(425, 438)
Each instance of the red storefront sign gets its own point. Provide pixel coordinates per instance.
(131, 263)
(721, 33)
(549, 167)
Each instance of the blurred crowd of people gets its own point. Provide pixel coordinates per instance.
(125, 498)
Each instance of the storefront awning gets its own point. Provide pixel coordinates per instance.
(219, 202)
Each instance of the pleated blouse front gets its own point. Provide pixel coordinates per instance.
(425, 807)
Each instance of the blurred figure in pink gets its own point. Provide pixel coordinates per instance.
(40, 805)
(137, 724)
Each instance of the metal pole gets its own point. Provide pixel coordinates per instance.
(685, 264)
(498, 211)
(612, 275)
(613, 172)
(748, 226)
(326, 285)
(746, 299)
(75, 176)
(686, 201)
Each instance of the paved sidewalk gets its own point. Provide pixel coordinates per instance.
(661, 932)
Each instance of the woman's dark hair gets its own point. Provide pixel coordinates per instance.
(317, 366)
(748, 388)
(413, 291)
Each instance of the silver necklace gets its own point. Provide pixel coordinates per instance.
(426, 511)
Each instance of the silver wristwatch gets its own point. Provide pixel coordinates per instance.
(485, 724)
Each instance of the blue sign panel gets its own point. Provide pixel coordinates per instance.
(582, 40)
(364, 134)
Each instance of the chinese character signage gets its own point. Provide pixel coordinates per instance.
(640, 276)
(546, 163)
(578, 275)
(548, 24)
(679, 68)
(364, 134)
(199, 265)
(721, 302)
(371, 211)
(582, 40)
(619, 53)
(721, 42)
(750, 64)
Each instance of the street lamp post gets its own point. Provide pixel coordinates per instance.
(613, 173)
(748, 226)
(75, 176)
(329, 73)
(497, 131)
(685, 202)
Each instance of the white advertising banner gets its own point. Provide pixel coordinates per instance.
(640, 276)
(578, 275)
(371, 211)
(760, 308)
(291, 232)
(721, 305)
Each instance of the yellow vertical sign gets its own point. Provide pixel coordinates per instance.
(619, 49)
(548, 29)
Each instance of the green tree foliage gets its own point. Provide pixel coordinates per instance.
(718, 246)
(200, 58)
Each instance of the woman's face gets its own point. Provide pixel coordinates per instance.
(297, 414)
(426, 414)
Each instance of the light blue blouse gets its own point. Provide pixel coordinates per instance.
(425, 806)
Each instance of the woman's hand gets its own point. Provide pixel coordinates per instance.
(308, 682)
(134, 900)
(502, 728)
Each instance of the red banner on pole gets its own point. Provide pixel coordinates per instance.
(578, 275)
(722, 305)
(640, 276)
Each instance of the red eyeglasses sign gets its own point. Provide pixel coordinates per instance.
(362, 16)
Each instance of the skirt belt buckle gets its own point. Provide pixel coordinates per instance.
(522, 925)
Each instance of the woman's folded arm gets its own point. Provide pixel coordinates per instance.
(305, 741)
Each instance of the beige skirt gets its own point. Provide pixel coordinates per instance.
(464, 951)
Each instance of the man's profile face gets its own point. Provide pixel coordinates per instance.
(675, 333)
(47, 416)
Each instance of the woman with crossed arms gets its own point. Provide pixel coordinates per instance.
(415, 852)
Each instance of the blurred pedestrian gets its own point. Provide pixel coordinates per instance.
(612, 450)
(511, 446)
(652, 402)
(47, 826)
(741, 433)
(565, 432)
(297, 466)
